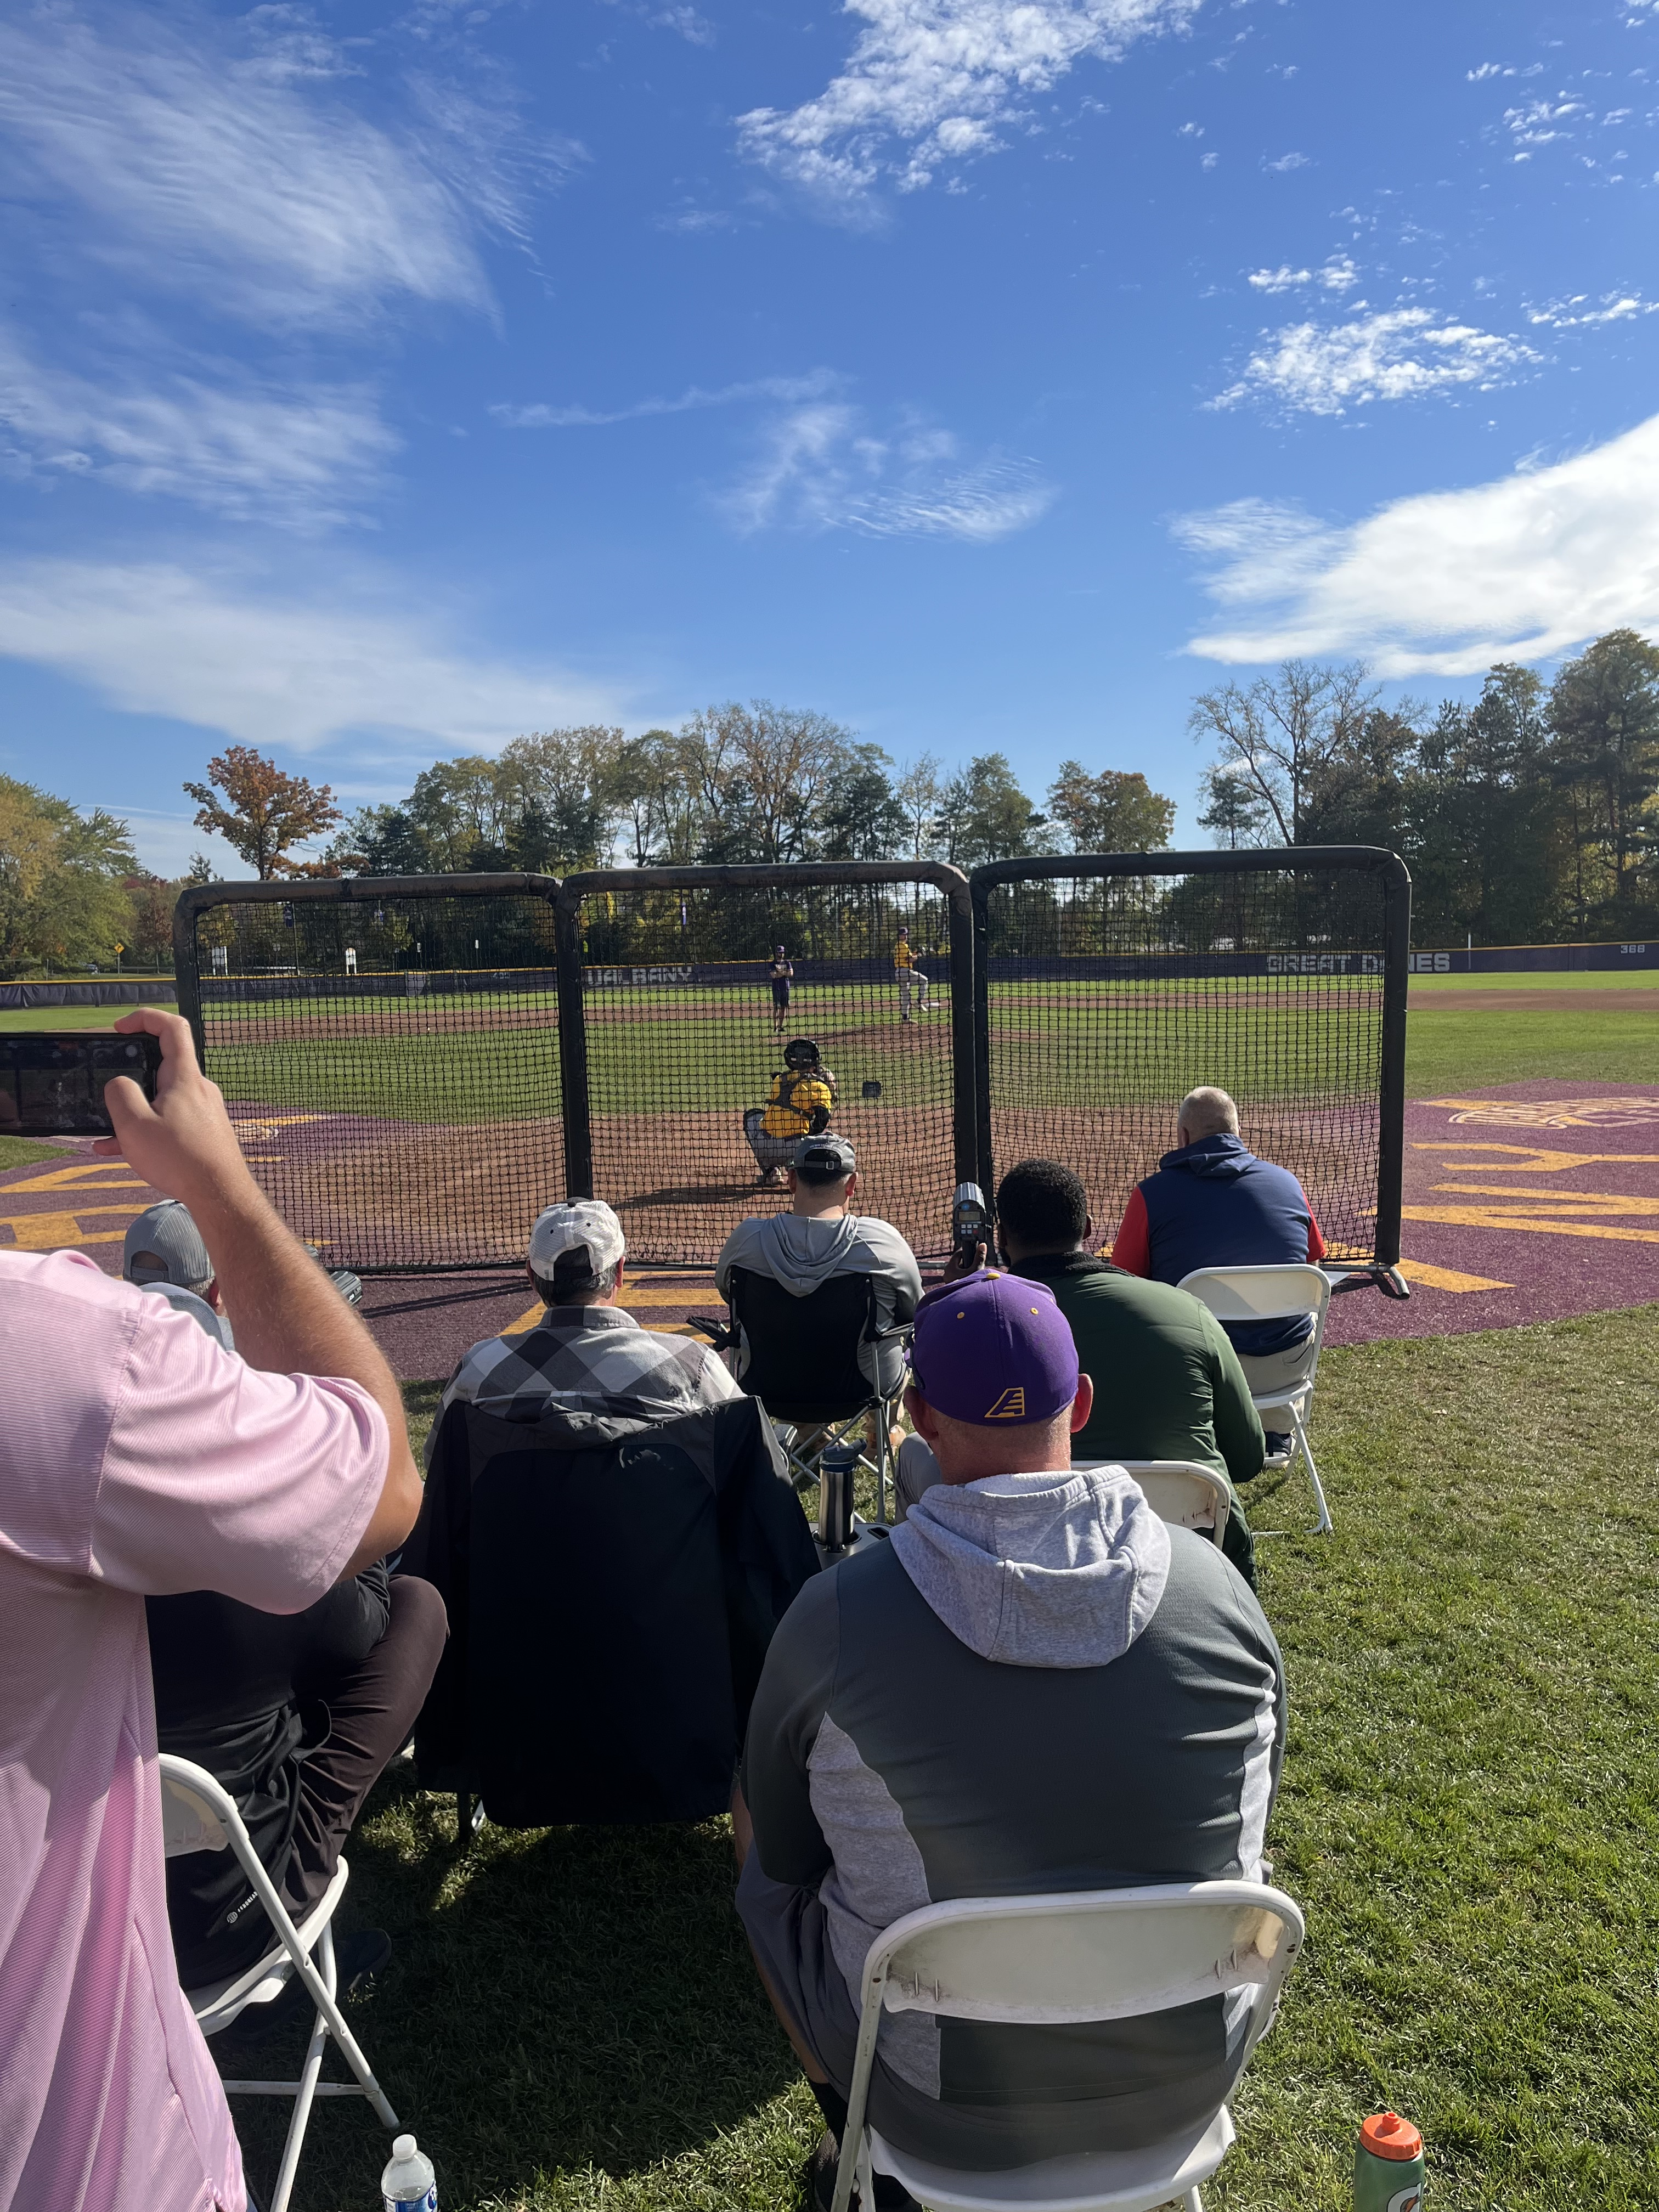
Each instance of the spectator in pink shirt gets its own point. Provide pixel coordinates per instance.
(139, 1457)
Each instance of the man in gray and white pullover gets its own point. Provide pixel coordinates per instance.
(1035, 1685)
(819, 1238)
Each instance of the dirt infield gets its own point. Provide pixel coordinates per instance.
(1524, 1202)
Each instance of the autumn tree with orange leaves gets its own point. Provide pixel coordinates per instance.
(266, 813)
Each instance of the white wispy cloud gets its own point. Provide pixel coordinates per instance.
(300, 457)
(938, 78)
(1286, 162)
(543, 417)
(237, 657)
(1577, 313)
(1406, 353)
(696, 30)
(822, 469)
(1337, 275)
(1444, 583)
(225, 175)
(1541, 122)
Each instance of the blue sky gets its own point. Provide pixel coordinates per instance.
(378, 382)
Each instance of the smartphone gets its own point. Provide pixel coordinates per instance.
(51, 1081)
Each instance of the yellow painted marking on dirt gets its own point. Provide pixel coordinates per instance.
(1447, 1279)
(1534, 1160)
(1489, 1217)
(50, 1232)
(76, 1178)
(1570, 1201)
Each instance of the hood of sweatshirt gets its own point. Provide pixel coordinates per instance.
(1220, 1158)
(803, 1250)
(1061, 1570)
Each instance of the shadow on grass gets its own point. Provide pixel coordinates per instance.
(575, 2002)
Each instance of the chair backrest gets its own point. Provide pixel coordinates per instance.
(1251, 1294)
(195, 1809)
(1087, 1955)
(615, 1604)
(1184, 1492)
(803, 1352)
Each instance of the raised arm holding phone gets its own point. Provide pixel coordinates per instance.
(139, 1457)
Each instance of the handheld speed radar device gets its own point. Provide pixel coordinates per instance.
(970, 1222)
(51, 1081)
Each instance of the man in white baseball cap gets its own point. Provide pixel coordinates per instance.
(587, 1355)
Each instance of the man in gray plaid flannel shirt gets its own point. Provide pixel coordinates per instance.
(586, 1355)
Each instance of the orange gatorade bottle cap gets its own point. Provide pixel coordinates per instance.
(1385, 2134)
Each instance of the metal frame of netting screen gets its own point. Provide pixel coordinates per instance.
(671, 1039)
(1109, 985)
(389, 1052)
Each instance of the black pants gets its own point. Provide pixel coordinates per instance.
(371, 1710)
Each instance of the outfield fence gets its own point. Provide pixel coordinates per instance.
(416, 1066)
(1109, 985)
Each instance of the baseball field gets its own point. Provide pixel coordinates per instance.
(570, 2020)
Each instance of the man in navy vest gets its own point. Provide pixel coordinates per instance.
(1213, 1203)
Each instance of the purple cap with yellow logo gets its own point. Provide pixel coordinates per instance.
(993, 1348)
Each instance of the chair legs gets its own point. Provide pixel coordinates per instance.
(1324, 1525)
(1193, 2200)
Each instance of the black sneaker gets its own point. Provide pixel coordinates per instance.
(1279, 1445)
(890, 2196)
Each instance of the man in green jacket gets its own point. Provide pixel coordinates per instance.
(1168, 1384)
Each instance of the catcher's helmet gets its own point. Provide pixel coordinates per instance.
(800, 1052)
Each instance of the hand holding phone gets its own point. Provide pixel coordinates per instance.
(52, 1081)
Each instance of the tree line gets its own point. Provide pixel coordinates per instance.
(1530, 817)
(756, 783)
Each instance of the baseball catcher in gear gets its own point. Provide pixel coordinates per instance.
(802, 1098)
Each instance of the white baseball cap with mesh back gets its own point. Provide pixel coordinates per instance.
(586, 1222)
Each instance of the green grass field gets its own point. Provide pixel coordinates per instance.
(571, 2023)
(469, 1075)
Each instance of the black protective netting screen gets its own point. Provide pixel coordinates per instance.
(1109, 998)
(392, 1069)
(683, 1040)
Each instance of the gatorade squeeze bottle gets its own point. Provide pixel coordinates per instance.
(409, 2185)
(1388, 2165)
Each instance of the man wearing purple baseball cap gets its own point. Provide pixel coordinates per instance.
(1035, 1685)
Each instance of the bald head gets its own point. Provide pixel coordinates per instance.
(1207, 1112)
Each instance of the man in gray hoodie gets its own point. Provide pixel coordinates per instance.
(819, 1238)
(1034, 1685)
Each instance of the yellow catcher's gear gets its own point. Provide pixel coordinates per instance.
(795, 1100)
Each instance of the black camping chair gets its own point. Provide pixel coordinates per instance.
(804, 1367)
(609, 1609)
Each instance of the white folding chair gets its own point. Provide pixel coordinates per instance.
(198, 1816)
(1085, 1955)
(1276, 1293)
(1182, 1491)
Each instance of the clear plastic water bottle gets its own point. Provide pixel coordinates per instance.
(409, 2185)
(1387, 2169)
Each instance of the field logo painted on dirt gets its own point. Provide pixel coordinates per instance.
(1552, 1113)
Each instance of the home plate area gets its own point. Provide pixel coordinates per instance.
(1522, 1202)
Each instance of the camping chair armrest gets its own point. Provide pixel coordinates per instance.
(719, 1329)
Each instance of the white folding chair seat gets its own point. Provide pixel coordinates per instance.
(1280, 1292)
(198, 1814)
(1183, 1493)
(1085, 1955)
